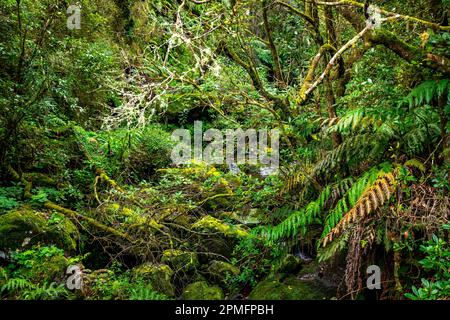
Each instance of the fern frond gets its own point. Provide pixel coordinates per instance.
(426, 91)
(16, 284)
(415, 163)
(350, 198)
(331, 250)
(298, 221)
(417, 139)
(354, 149)
(372, 198)
(355, 120)
(292, 179)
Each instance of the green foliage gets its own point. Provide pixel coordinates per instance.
(24, 289)
(350, 199)
(85, 122)
(427, 91)
(133, 153)
(436, 261)
(9, 198)
(145, 292)
(32, 273)
(120, 285)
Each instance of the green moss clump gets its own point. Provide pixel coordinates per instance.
(221, 270)
(211, 224)
(25, 227)
(52, 269)
(179, 259)
(158, 275)
(290, 264)
(290, 289)
(201, 290)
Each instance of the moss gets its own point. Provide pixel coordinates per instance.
(221, 270)
(290, 264)
(3, 276)
(112, 208)
(67, 230)
(201, 290)
(158, 275)
(25, 227)
(290, 289)
(211, 224)
(179, 259)
(249, 220)
(52, 269)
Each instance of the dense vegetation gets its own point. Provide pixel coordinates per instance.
(359, 92)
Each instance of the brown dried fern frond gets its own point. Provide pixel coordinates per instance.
(374, 197)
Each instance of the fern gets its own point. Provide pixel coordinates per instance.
(368, 146)
(298, 221)
(146, 293)
(333, 248)
(292, 179)
(351, 198)
(415, 163)
(426, 91)
(356, 120)
(417, 139)
(16, 284)
(24, 289)
(373, 197)
(45, 292)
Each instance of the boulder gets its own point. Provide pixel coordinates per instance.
(220, 270)
(201, 290)
(158, 275)
(180, 260)
(25, 227)
(290, 264)
(52, 269)
(214, 225)
(289, 289)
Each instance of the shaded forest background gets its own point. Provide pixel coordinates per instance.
(359, 92)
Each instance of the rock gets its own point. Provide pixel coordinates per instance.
(180, 260)
(249, 220)
(213, 225)
(158, 275)
(234, 169)
(223, 236)
(53, 269)
(221, 270)
(25, 227)
(290, 264)
(201, 290)
(289, 289)
(47, 268)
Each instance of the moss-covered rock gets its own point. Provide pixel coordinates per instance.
(3, 276)
(211, 224)
(52, 269)
(180, 260)
(290, 264)
(221, 270)
(201, 290)
(289, 289)
(25, 227)
(158, 275)
(250, 220)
